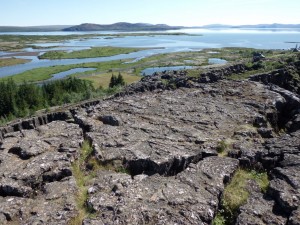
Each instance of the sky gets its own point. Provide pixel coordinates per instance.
(171, 12)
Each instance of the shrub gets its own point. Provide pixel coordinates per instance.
(222, 146)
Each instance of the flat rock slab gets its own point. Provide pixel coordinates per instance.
(191, 197)
(168, 141)
(157, 132)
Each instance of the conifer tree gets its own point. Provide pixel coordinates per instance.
(120, 80)
(113, 81)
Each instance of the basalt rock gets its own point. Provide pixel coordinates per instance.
(169, 80)
(164, 132)
(259, 210)
(287, 78)
(36, 184)
(191, 197)
(35, 122)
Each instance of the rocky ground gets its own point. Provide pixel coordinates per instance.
(154, 155)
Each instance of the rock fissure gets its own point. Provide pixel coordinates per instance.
(155, 156)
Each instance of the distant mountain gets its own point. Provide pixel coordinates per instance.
(272, 26)
(215, 26)
(257, 26)
(33, 28)
(122, 26)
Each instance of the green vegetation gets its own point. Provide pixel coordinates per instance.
(82, 179)
(236, 194)
(25, 99)
(116, 81)
(219, 220)
(131, 70)
(222, 146)
(103, 79)
(40, 74)
(84, 176)
(12, 61)
(89, 53)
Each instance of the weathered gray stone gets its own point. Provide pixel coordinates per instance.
(166, 140)
(259, 210)
(295, 217)
(191, 197)
(163, 131)
(35, 173)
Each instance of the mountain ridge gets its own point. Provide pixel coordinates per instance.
(121, 26)
(125, 26)
(257, 26)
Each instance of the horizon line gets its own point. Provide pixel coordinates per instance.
(215, 24)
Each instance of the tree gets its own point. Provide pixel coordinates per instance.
(120, 80)
(116, 81)
(18, 100)
(113, 81)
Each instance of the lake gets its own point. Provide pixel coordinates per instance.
(200, 39)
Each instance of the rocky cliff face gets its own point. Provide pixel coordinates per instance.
(154, 156)
(287, 78)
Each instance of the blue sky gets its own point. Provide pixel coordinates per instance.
(172, 12)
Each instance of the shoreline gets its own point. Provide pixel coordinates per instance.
(24, 53)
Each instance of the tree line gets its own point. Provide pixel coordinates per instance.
(20, 100)
(26, 98)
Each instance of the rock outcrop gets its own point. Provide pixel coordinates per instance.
(287, 78)
(36, 182)
(154, 156)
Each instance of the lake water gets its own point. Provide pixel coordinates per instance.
(216, 61)
(260, 39)
(150, 71)
(69, 72)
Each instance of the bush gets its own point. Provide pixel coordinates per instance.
(222, 146)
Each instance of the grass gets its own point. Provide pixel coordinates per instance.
(194, 73)
(192, 58)
(222, 146)
(82, 179)
(89, 53)
(102, 80)
(104, 68)
(12, 61)
(236, 194)
(45, 73)
(219, 220)
(42, 73)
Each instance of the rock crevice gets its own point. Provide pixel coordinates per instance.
(173, 143)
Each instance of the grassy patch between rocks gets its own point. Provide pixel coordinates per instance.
(223, 147)
(82, 179)
(84, 169)
(235, 194)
